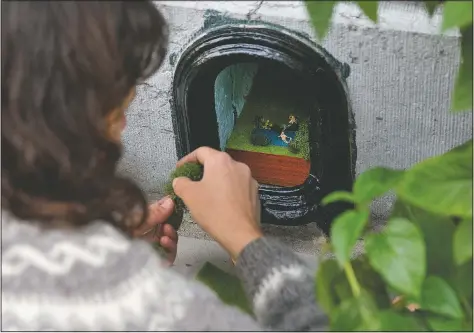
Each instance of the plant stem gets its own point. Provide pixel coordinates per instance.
(467, 306)
(355, 287)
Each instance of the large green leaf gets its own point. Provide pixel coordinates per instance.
(356, 314)
(442, 324)
(441, 184)
(456, 14)
(346, 229)
(328, 271)
(369, 8)
(367, 278)
(321, 14)
(227, 287)
(462, 280)
(438, 234)
(431, 6)
(438, 297)
(398, 254)
(338, 196)
(332, 286)
(461, 99)
(463, 242)
(371, 282)
(393, 321)
(375, 182)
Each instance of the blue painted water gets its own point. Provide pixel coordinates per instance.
(274, 136)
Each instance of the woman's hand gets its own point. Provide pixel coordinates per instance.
(155, 228)
(225, 203)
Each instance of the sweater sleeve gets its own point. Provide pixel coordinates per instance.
(281, 287)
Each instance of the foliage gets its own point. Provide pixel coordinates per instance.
(456, 14)
(259, 139)
(227, 286)
(417, 273)
(193, 171)
(422, 255)
(300, 144)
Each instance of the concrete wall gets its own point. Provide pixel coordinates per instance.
(232, 85)
(402, 73)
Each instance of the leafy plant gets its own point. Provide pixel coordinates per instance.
(423, 257)
(228, 287)
(419, 256)
(300, 144)
(456, 14)
(417, 273)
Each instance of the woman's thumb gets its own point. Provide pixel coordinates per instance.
(183, 187)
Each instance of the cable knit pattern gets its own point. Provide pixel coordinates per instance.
(96, 279)
(61, 257)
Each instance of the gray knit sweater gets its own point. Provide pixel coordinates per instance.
(96, 279)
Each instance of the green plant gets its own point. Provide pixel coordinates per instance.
(423, 257)
(455, 14)
(417, 274)
(259, 139)
(300, 144)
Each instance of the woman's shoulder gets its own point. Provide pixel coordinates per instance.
(94, 245)
(111, 281)
(92, 258)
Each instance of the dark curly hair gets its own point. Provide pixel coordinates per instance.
(65, 66)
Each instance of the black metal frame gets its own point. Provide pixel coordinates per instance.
(332, 128)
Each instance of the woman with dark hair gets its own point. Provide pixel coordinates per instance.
(71, 254)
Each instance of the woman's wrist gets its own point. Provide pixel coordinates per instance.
(240, 240)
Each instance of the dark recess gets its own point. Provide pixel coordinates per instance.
(332, 128)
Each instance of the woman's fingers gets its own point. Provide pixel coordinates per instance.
(158, 213)
(224, 204)
(168, 231)
(154, 235)
(170, 246)
(200, 155)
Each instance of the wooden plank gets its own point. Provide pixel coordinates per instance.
(273, 169)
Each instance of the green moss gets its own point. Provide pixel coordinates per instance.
(193, 171)
(301, 142)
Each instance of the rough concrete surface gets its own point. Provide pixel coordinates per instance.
(304, 239)
(402, 73)
(194, 253)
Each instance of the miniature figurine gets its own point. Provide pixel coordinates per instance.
(284, 137)
(268, 125)
(293, 123)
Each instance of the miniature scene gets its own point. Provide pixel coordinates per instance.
(262, 113)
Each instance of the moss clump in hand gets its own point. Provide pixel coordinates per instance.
(193, 171)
